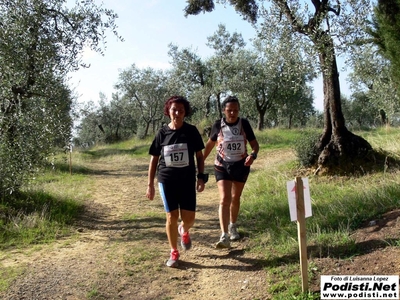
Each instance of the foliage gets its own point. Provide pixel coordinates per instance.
(35, 217)
(42, 41)
(305, 147)
(248, 8)
(374, 89)
(361, 112)
(273, 88)
(375, 62)
(385, 31)
(268, 85)
(33, 132)
(145, 91)
(109, 122)
(340, 204)
(328, 28)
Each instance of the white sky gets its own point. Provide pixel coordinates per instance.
(148, 26)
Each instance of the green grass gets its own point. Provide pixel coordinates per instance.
(7, 275)
(93, 293)
(46, 209)
(141, 259)
(135, 146)
(277, 138)
(386, 138)
(340, 205)
(35, 217)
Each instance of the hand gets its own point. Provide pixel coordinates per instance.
(150, 192)
(200, 185)
(249, 161)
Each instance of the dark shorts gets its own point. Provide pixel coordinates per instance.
(233, 172)
(178, 195)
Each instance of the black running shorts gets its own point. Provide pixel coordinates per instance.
(178, 195)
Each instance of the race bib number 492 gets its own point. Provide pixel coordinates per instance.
(234, 147)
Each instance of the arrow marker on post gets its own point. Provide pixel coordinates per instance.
(300, 208)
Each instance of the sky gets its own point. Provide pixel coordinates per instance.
(148, 27)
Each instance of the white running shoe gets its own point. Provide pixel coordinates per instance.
(223, 242)
(232, 228)
(172, 262)
(186, 242)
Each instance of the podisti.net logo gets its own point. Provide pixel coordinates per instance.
(360, 287)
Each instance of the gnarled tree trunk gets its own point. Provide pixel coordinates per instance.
(337, 148)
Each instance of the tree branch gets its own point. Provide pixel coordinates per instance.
(335, 11)
(292, 19)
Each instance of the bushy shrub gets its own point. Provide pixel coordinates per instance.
(305, 148)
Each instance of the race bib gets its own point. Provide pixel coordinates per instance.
(176, 155)
(234, 147)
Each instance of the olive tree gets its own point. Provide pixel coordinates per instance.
(326, 26)
(191, 76)
(109, 121)
(274, 84)
(372, 78)
(146, 89)
(375, 61)
(42, 41)
(385, 31)
(226, 47)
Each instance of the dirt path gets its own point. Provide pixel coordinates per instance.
(121, 248)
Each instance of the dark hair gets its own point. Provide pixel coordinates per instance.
(177, 99)
(228, 99)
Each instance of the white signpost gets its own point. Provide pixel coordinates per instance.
(300, 208)
(291, 190)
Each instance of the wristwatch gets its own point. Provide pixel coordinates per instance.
(254, 155)
(203, 176)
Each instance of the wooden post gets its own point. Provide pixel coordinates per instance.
(301, 231)
(70, 159)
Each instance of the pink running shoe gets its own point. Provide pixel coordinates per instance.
(172, 262)
(186, 242)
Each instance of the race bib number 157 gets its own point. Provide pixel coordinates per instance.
(176, 155)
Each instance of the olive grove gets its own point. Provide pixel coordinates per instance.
(328, 28)
(42, 42)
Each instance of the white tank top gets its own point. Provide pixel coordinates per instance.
(231, 142)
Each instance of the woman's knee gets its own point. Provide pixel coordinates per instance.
(225, 201)
(188, 216)
(172, 217)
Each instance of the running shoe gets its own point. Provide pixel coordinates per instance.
(223, 242)
(186, 242)
(172, 262)
(233, 232)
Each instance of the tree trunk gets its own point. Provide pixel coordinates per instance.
(262, 105)
(208, 107)
(338, 149)
(382, 113)
(117, 137)
(219, 105)
(260, 124)
(146, 130)
(261, 117)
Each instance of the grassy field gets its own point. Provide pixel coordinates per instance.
(339, 206)
(46, 208)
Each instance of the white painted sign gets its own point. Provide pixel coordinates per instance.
(291, 190)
